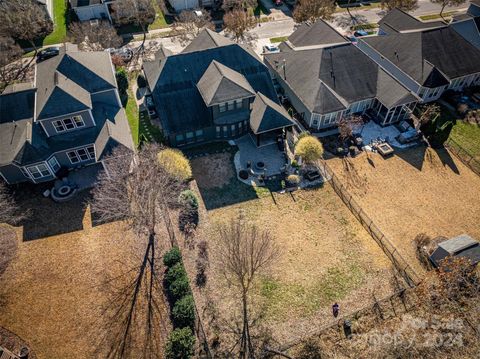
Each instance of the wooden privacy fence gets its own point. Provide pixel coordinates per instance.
(400, 264)
(463, 155)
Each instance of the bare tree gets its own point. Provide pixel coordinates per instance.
(140, 13)
(346, 125)
(24, 20)
(405, 5)
(445, 3)
(238, 22)
(244, 251)
(9, 211)
(94, 37)
(137, 190)
(189, 24)
(428, 113)
(10, 66)
(311, 10)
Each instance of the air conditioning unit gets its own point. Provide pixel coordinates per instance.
(94, 22)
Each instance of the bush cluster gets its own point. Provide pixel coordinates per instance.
(181, 342)
(188, 217)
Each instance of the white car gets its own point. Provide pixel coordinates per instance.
(272, 49)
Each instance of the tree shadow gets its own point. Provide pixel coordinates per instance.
(135, 316)
(48, 218)
(347, 21)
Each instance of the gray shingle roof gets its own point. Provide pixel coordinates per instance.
(398, 20)
(81, 3)
(317, 34)
(173, 82)
(207, 39)
(329, 79)
(428, 55)
(221, 84)
(22, 140)
(267, 115)
(78, 73)
(469, 29)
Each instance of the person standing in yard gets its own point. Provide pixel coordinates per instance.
(335, 309)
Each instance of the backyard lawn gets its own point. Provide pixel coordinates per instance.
(62, 291)
(326, 255)
(60, 15)
(415, 191)
(468, 136)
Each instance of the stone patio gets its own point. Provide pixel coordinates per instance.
(273, 158)
(85, 177)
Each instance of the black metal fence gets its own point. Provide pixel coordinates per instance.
(463, 155)
(400, 264)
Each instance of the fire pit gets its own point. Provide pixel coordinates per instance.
(260, 165)
(385, 149)
(63, 193)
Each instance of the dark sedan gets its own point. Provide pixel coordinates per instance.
(47, 53)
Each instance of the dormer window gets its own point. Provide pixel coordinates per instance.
(68, 124)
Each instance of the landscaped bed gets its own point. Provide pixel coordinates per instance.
(326, 256)
(415, 191)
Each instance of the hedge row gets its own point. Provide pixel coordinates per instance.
(181, 342)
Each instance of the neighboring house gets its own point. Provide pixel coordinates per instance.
(398, 21)
(426, 62)
(468, 25)
(180, 5)
(214, 90)
(70, 117)
(461, 246)
(92, 9)
(329, 81)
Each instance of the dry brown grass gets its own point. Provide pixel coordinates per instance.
(54, 293)
(211, 172)
(417, 191)
(326, 256)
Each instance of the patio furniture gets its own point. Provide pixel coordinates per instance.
(260, 165)
(312, 175)
(243, 174)
(384, 149)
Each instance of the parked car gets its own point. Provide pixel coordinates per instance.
(272, 49)
(47, 53)
(360, 33)
(149, 102)
(124, 53)
(353, 39)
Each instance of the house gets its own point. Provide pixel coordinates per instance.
(214, 90)
(328, 81)
(180, 5)
(460, 246)
(92, 9)
(70, 117)
(427, 62)
(468, 25)
(398, 21)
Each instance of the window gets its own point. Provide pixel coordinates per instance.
(59, 127)
(78, 121)
(231, 105)
(225, 131)
(223, 107)
(315, 123)
(179, 138)
(218, 131)
(68, 124)
(39, 171)
(82, 154)
(189, 136)
(238, 103)
(54, 165)
(199, 133)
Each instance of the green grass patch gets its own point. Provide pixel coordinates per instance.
(305, 300)
(278, 39)
(133, 117)
(467, 135)
(369, 26)
(60, 21)
(161, 21)
(437, 16)
(148, 132)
